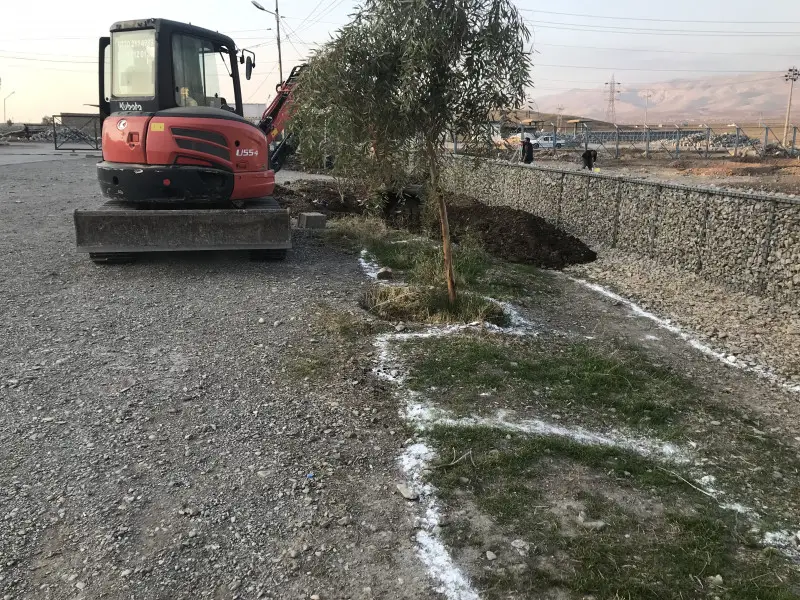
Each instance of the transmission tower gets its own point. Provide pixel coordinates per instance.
(560, 109)
(613, 92)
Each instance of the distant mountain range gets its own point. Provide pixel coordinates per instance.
(742, 98)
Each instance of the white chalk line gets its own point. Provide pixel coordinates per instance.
(449, 579)
(502, 419)
(368, 265)
(728, 359)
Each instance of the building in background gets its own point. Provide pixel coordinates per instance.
(253, 112)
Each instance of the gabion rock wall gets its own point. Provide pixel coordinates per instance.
(748, 242)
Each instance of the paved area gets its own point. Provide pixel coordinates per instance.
(23, 153)
(165, 431)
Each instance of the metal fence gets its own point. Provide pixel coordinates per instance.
(674, 142)
(704, 142)
(75, 131)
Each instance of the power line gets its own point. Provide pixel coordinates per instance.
(59, 55)
(329, 11)
(59, 69)
(649, 85)
(289, 35)
(334, 5)
(667, 51)
(260, 85)
(315, 20)
(641, 31)
(548, 12)
(308, 16)
(736, 71)
(53, 60)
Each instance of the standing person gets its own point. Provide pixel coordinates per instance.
(588, 157)
(527, 151)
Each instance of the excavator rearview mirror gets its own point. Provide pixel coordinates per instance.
(248, 69)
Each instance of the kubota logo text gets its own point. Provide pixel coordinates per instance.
(130, 106)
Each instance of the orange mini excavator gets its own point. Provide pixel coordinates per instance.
(182, 169)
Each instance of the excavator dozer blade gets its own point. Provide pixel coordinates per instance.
(120, 228)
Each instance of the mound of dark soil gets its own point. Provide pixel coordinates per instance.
(316, 195)
(506, 233)
(517, 236)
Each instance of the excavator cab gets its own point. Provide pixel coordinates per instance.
(182, 168)
(184, 72)
(173, 129)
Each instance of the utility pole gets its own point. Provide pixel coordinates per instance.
(277, 16)
(648, 93)
(4, 105)
(560, 109)
(791, 76)
(613, 92)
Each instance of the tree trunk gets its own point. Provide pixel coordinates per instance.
(433, 193)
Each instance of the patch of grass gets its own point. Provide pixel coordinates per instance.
(420, 260)
(599, 386)
(310, 364)
(348, 326)
(357, 232)
(583, 374)
(429, 305)
(669, 553)
(339, 336)
(513, 457)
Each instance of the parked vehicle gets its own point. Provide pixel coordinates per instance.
(546, 141)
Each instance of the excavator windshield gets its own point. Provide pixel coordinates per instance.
(133, 65)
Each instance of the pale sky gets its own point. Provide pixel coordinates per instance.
(48, 48)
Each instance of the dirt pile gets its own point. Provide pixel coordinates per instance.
(506, 233)
(516, 236)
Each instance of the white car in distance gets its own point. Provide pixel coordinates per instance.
(546, 141)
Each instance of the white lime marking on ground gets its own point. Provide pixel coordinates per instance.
(667, 324)
(449, 579)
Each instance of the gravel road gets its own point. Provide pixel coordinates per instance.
(155, 442)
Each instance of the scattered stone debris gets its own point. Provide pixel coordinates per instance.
(407, 492)
(594, 525)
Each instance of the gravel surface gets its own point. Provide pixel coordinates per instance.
(755, 329)
(156, 441)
